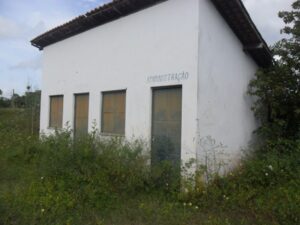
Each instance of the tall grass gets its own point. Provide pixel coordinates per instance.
(56, 180)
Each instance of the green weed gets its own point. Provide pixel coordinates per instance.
(56, 180)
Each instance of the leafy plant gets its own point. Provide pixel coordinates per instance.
(278, 87)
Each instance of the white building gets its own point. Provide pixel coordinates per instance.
(177, 69)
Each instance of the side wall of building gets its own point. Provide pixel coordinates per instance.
(138, 52)
(224, 114)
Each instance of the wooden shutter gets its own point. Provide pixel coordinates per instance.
(166, 133)
(113, 112)
(81, 114)
(56, 111)
(166, 124)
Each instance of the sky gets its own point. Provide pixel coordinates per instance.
(22, 20)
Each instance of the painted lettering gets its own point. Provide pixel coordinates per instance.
(168, 77)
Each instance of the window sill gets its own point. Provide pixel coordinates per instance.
(54, 128)
(112, 135)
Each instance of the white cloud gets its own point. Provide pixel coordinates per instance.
(92, 1)
(12, 31)
(8, 28)
(90, 4)
(37, 29)
(47, 21)
(31, 64)
(100, 2)
(265, 15)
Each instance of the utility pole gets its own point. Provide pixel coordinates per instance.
(30, 107)
(13, 99)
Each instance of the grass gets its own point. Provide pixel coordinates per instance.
(54, 180)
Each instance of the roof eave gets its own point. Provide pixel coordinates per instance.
(233, 11)
(96, 17)
(245, 29)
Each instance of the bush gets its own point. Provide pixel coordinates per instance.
(70, 177)
(56, 180)
(266, 183)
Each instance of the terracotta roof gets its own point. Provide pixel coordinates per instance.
(233, 12)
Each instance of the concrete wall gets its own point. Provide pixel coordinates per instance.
(224, 114)
(127, 54)
(138, 52)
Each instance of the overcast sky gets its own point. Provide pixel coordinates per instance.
(21, 20)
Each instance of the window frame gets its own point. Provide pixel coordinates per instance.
(50, 126)
(103, 93)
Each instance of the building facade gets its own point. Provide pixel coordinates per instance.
(173, 71)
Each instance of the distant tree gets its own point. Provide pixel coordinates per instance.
(32, 107)
(278, 87)
(18, 101)
(4, 102)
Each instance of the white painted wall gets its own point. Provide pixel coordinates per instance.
(121, 55)
(171, 37)
(224, 114)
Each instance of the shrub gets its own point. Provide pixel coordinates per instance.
(73, 176)
(266, 183)
(56, 180)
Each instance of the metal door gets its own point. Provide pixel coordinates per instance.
(166, 125)
(81, 114)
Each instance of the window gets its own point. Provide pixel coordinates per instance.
(56, 111)
(113, 112)
(81, 114)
